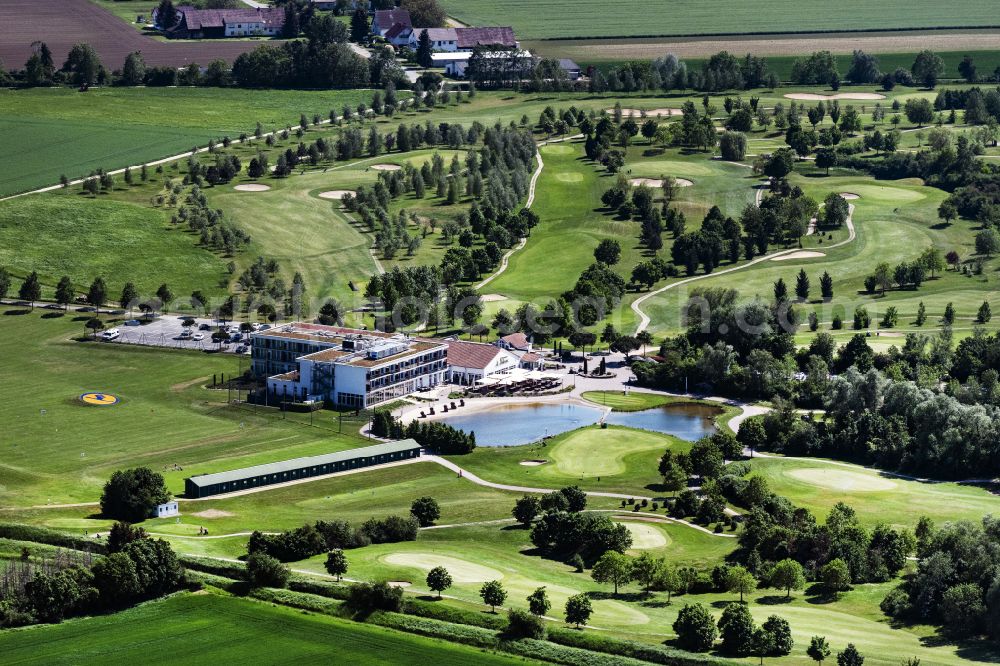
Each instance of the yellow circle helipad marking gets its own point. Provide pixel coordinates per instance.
(100, 399)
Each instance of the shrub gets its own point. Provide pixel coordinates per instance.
(695, 628)
(265, 571)
(522, 624)
(366, 598)
(390, 529)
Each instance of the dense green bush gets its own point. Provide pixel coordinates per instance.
(265, 571)
(366, 598)
(522, 624)
(657, 654)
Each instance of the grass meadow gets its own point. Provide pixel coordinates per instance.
(195, 628)
(57, 450)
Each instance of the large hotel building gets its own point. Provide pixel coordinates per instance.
(349, 367)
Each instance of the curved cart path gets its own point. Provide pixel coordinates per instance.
(531, 199)
(644, 318)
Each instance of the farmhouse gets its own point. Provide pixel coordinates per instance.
(204, 485)
(469, 38)
(469, 362)
(207, 23)
(572, 69)
(455, 64)
(442, 39)
(350, 367)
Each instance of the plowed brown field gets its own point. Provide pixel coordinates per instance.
(63, 23)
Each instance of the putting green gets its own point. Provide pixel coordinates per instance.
(595, 452)
(557, 149)
(462, 571)
(569, 176)
(840, 479)
(646, 536)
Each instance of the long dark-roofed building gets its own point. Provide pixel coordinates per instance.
(205, 485)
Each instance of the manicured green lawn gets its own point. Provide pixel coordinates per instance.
(590, 18)
(876, 497)
(56, 449)
(200, 628)
(613, 459)
(895, 221)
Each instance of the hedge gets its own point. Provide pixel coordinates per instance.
(233, 570)
(300, 600)
(51, 537)
(657, 654)
(488, 639)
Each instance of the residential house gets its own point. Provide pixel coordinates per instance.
(469, 38)
(572, 69)
(442, 39)
(213, 23)
(385, 19)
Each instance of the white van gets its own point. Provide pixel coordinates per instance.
(110, 334)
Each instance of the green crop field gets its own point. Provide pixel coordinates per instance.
(60, 131)
(195, 628)
(58, 235)
(590, 18)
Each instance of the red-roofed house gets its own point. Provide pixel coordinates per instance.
(532, 361)
(469, 362)
(470, 38)
(515, 342)
(248, 22)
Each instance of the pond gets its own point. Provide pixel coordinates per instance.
(511, 425)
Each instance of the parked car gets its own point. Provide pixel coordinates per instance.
(236, 337)
(205, 327)
(110, 334)
(241, 349)
(198, 336)
(133, 322)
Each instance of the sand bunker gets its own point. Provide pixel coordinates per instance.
(801, 254)
(533, 463)
(386, 167)
(213, 513)
(850, 196)
(842, 479)
(335, 194)
(492, 298)
(252, 187)
(813, 97)
(462, 571)
(656, 182)
(652, 113)
(645, 536)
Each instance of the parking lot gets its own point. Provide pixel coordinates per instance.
(169, 331)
